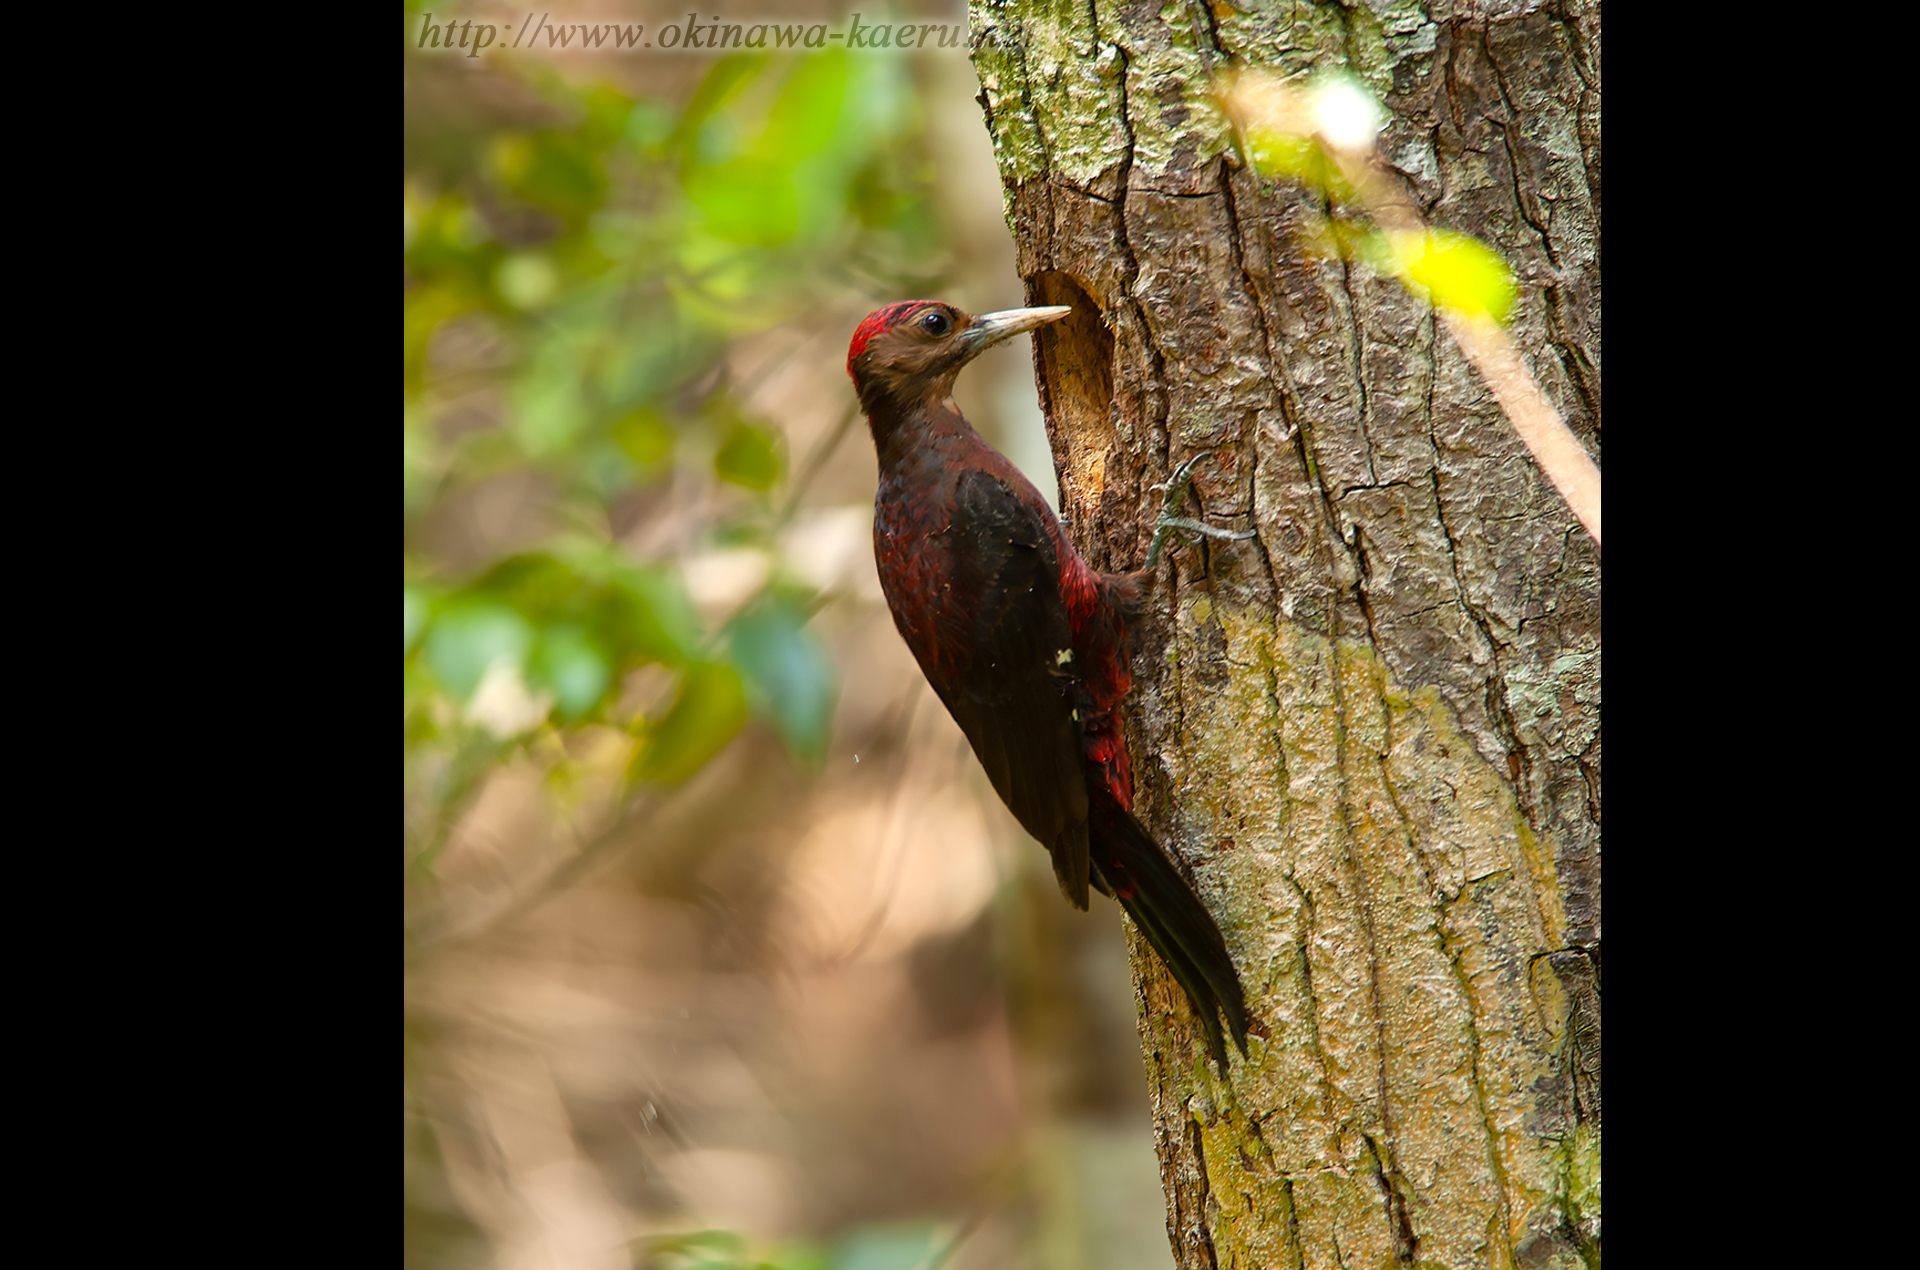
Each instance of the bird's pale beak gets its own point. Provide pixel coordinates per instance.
(990, 328)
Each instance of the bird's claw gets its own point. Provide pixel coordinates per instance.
(1211, 531)
(1176, 487)
(1178, 480)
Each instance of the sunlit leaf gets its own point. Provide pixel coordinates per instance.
(709, 710)
(749, 456)
(1456, 271)
(567, 663)
(527, 280)
(1295, 157)
(790, 677)
(468, 637)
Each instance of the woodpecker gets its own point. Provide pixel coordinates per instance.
(1023, 641)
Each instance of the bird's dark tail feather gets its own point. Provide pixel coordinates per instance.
(1139, 874)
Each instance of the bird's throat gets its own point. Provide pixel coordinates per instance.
(904, 437)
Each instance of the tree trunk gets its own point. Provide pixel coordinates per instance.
(1372, 734)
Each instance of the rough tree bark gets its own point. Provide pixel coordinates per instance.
(1372, 734)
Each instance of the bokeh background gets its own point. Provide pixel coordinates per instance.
(719, 950)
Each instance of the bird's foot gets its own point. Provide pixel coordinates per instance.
(1167, 523)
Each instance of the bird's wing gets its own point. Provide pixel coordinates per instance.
(1018, 698)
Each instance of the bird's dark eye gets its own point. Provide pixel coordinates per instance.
(935, 322)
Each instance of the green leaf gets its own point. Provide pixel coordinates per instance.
(747, 200)
(625, 612)
(790, 677)
(644, 435)
(649, 124)
(709, 710)
(749, 457)
(550, 412)
(468, 637)
(567, 663)
(416, 616)
(451, 247)
(795, 1255)
(422, 311)
(729, 75)
(655, 351)
(719, 1240)
(891, 1247)
(552, 170)
(605, 470)
(541, 587)
(803, 118)
(650, 617)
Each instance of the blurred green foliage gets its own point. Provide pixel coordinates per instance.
(602, 249)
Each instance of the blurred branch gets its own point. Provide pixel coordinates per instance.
(1339, 118)
(1559, 453)
(816, 460)
(1489, 348)
(891, 860)
(945, 1255)
(603, 847)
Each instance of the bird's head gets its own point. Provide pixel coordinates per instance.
(907, 354)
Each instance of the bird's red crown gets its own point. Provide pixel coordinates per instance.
(877, 321)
